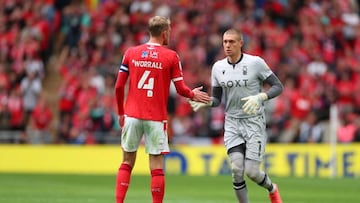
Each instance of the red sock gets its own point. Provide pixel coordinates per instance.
(122, 182)
(157, 185)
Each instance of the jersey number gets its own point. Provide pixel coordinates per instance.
(146, 83)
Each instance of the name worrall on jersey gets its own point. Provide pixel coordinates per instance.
(147, 64)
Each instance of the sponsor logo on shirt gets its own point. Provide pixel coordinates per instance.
(151, 54)
(235, 83)
(144, 54)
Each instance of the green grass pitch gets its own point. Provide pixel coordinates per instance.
(51, 188)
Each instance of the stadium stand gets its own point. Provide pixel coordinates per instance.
(74, 47)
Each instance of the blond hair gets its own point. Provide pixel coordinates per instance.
(234, 31)
(157, 24)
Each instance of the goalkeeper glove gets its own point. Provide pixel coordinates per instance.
(198, 105)
(253, 103)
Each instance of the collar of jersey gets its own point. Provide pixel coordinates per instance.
(236, 61)
(154, 44)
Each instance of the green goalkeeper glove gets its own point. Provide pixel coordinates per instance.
(253, 103)
(198, 105)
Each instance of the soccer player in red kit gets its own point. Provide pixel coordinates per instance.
(150, 68)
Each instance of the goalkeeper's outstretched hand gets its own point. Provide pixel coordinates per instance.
(198, 105)
(253, 103)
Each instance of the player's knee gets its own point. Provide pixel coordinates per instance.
(237, 171)
(252, 173)
(237, 166)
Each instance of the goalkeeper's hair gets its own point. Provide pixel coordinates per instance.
(235, 31)
(157, 24)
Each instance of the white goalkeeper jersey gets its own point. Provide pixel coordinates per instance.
(239, 80)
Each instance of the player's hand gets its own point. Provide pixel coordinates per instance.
(198, 105)
(121, 120)
(253, 103)
(200, 96)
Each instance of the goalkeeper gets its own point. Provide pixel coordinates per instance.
(239, 78)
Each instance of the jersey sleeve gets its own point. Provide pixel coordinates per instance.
(120, 84)
(214, 75)
(263, 69)
(177, 78)
(183, 90)
(124, 67)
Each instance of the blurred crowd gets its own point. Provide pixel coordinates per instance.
(312, 45)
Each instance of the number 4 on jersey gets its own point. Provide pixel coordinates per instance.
(146, 83)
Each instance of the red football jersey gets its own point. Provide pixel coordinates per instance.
(150, 68)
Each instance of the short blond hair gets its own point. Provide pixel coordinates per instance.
(234, 31)
(157, 24)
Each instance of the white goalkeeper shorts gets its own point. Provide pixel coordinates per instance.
(153, 132)
(251, 131)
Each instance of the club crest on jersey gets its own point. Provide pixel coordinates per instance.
(245, 70)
